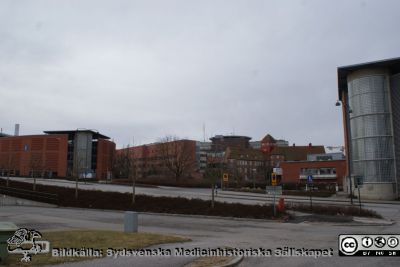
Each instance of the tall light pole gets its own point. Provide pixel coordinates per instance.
(348, 138)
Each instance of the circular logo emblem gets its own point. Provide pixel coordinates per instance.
(349, 245)
(393, 242)
(380, 242)
(367, 242)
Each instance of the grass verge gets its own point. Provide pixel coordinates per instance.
(92, 239)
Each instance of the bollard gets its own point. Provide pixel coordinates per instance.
(130, 222)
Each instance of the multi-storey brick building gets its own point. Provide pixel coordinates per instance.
(173, 158)
(222, 142)
(58, 154)
(246, 164)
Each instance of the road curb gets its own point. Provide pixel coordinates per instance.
(373, 221)
(359, 221)
(233, 262)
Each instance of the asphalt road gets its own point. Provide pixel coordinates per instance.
(211, 232)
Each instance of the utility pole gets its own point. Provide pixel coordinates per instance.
(347, 112)
(132, 163)
(75, 163)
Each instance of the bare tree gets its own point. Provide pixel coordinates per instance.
(78, 168)
(35, 166)
(125, 167)
(213, 172)
(177, 156)
(235, 174)
(11, 166)
(131, 170)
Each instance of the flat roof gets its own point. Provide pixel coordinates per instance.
(230, 137)
(393, 64)
(96, 135)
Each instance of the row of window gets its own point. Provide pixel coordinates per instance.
(317, 171)
(249, 163)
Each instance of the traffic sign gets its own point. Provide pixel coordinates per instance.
(309, 179)
(273, 190)
(274, 180)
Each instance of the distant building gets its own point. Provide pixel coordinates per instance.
(255, 145)
(202, 148)
(85, 153)
(281, 142)
(222, 142)
(293, 153)
(151, 160)
(329, 172)
(268, 143)
(245, 164)
(327, 156)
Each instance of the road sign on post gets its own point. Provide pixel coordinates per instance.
(273, 190)
(225, 177)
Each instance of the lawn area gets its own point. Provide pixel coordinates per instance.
(92, 239)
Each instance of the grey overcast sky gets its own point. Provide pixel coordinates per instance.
(153, 68)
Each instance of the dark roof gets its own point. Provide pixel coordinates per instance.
(230, 137)
(296, 153)
(392, 64)
(96, 135)
(244, 154)
(4, 135)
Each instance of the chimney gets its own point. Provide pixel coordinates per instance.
(16, 130)
(310, 144)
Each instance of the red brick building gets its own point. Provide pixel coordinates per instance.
(164, 159)
(323, 172)
(105, 159)
(57, 154)
(19, 155)
(276, 153)
(245, 164)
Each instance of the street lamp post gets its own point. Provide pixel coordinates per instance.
(348, 138)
